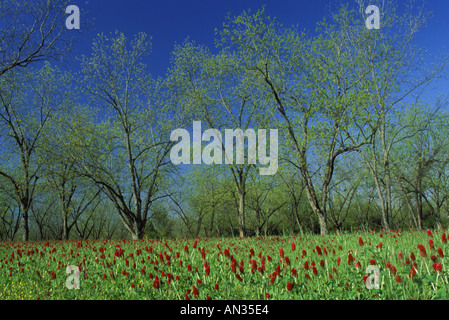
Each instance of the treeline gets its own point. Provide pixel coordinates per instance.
(86, 154)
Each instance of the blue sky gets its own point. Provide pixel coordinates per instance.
(172, 21)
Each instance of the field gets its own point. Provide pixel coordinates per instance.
(412, 265)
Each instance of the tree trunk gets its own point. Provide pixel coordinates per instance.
(211, 227)
(65, 229)
(137, 231)
(25, 227)
(298, 222)
(323, 222)
(257, 223)
(241, 212)
(311, 196)
(133, 224)
(409, 204)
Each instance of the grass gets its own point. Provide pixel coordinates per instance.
(314, 267)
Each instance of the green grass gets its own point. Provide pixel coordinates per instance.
(101, 278)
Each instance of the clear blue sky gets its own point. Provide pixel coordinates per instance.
(171, 21)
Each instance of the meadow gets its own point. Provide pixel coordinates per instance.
(412, 265)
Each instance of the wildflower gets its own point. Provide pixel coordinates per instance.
(290, 286)
(350, 258)
(156, 283)
(393, 270)
(431, 244)
(422, 250)
(438, 267)
(233, 267)
(412, 272)
(294, 273)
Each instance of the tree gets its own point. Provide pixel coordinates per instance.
(9, 215)
(343, 190)
(74, 192)
(294, 186)
(126, 154)
(224, 96)
(438, 179)
(31, 32)
(265, 199)
(312, 83)
(415, 159)
(27, 101)
(389, 77)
